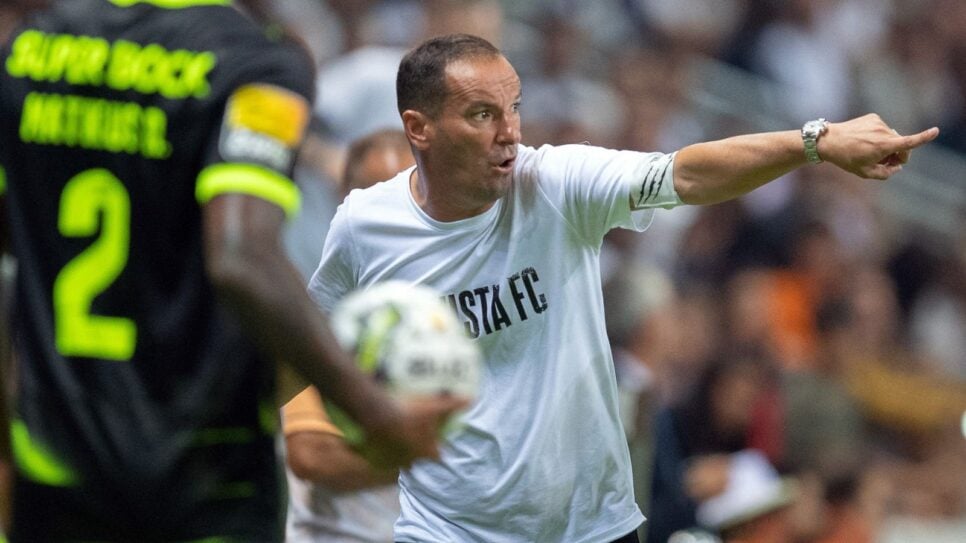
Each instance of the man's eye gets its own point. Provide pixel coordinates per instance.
(481, 116)
(516, 107)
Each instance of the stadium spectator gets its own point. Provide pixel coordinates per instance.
(512, 235)
(694, 437)
(356, 91)
(802, 54)
(645, 330)
(753, 506)
(334, 494)
(317, 174)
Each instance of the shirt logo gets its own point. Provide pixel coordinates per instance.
(483, 310)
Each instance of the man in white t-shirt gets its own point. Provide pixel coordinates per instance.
(512, 236)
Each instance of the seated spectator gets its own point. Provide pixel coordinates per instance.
(753, 508)
(693, 439)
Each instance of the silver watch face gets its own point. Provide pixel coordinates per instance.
(814, 129)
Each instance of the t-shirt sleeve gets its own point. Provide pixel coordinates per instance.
(306, 413)
(335, 276)
(598, 189)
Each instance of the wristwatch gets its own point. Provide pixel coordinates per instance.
(810, 134)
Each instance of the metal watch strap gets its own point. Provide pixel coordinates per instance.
(811, 131)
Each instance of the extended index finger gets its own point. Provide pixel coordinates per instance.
(907, 143)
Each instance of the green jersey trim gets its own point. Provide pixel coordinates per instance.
(249, 179)
(36, 462)
(3, 184)
(268, 417)
(171, 4)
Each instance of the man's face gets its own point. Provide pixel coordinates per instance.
(477, 131)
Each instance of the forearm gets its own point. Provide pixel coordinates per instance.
(257, 281)
(707, 173)
(327, 461)
(275, 309)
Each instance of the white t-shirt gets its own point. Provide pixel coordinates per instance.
(316, 514)
(542, 456)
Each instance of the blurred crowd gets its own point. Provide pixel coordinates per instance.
(800, 321)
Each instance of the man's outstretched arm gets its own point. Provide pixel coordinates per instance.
(707, 173)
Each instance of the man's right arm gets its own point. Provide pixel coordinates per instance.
(247, 265)
(716, 171)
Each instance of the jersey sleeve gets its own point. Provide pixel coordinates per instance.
(306, 413)
(336, 274)
(266, 113)
(598, 189)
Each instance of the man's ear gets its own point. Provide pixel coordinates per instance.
(419, 128)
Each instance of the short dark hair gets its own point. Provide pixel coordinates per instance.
(421, 80)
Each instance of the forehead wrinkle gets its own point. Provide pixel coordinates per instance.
(475, 81)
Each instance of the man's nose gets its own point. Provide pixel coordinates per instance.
(508, 132)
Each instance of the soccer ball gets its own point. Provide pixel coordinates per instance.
(408, 338)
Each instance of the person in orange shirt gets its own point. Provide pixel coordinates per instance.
(334, 494)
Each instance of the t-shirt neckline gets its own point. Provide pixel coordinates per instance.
(468, 223)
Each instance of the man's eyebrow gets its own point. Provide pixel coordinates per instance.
(487, 103)
(481, 103)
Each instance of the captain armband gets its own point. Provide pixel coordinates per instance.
(654, 187)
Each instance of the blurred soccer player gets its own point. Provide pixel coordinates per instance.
(145, 154)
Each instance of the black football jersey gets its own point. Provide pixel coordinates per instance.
(143, 411)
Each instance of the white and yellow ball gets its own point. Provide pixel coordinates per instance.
(409, 339)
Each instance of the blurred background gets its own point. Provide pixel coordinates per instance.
(820, 320)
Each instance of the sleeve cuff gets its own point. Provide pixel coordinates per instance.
(306, 413)
(249, 179)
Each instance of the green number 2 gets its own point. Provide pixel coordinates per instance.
(93, 199)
